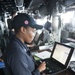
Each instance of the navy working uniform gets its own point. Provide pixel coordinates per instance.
(18, 53)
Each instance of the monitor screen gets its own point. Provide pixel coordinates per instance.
(61, 53)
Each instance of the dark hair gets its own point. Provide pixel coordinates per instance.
(18, 29)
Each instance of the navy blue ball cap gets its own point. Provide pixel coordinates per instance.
(25, 20)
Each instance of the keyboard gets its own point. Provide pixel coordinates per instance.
(52, 67)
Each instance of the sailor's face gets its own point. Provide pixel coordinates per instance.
(30, 34)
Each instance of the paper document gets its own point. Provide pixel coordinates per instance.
(44, 47)
(43, 55)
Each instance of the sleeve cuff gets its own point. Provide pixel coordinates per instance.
(37, 72)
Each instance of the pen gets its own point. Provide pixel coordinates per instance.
(40, 61)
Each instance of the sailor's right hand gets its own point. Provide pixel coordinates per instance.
(42, 66)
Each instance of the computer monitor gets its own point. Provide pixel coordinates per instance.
(62, 53)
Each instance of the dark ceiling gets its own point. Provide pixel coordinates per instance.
(44, 6)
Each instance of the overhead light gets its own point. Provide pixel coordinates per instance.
(41, 21)
(19, 3)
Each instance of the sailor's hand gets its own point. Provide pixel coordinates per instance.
(42, 66)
